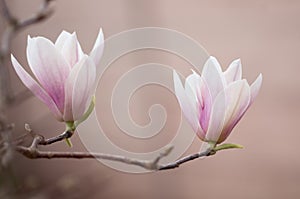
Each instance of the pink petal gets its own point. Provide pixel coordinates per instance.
(217, 118)
(185, 103)
(255, 87)
(49, 67)
(35, 88)
(197, 90)
(69, 89)
(79, 88)
(206, 106)
(213, 76)
(234, 71)
(97, 50)
(238, 99)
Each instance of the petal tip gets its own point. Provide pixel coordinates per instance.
(13, 60)
(100, 33)
(29, 39)
(174, 72)
(194, 72)
(211, 57)
(259, 79)
(176, 77)
(237, 61)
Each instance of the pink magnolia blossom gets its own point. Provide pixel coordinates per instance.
(214, 102)
(65, 75)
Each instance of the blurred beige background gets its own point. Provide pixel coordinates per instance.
(264, 34)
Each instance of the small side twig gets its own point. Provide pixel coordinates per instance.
(63, 136)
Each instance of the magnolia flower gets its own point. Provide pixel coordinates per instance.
(214, 102)
(65, 74)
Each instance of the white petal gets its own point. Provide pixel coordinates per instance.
(255, 87)
(35, 88)
(97, 50)
(61, 39)
(238, 97)
(69, 89)
(234, 71)
(213, 76)
(70, 50)
(237, 102)
(81, 83)
(192, 90)
(185, 103)
(217, 118)
(195, 82)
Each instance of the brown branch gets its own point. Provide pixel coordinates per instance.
(33, 152)
(36, 154)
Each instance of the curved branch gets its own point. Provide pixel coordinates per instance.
(33, 152)
(37, 154)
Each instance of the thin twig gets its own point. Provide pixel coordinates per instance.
(185, 159)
